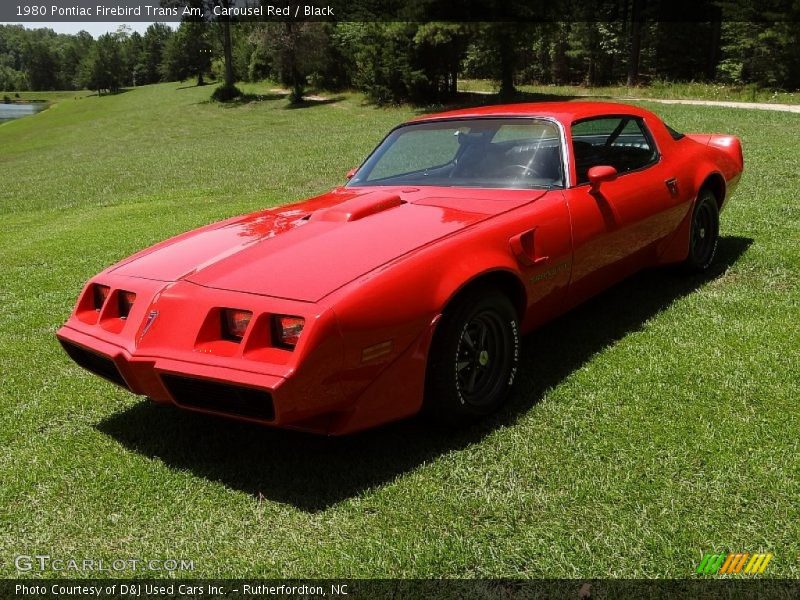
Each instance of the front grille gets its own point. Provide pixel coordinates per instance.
(220, 397)
(95, 363)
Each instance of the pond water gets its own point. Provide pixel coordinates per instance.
(15, 111)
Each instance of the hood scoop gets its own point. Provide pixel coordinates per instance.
(358, 207)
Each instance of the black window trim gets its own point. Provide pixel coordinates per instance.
(645, 130)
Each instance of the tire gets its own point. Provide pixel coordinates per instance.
(470, 378)
(704, 234)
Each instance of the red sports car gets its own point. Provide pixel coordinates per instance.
(408, 288)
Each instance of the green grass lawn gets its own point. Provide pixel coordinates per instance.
(655, 423)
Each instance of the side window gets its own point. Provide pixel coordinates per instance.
(621, 142)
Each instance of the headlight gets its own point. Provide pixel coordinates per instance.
(234, 323)
(125, 303)
(100, 293)
(286, 330)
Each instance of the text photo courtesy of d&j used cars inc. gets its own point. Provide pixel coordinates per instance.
(399, 299)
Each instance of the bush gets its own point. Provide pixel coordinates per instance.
(218, 69)
(226, 93)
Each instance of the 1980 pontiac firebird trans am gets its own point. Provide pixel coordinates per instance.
(408, 288)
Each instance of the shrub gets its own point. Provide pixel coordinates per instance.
(226, 93)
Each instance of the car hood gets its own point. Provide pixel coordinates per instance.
(308, 250)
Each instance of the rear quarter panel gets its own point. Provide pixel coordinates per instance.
(694, 160)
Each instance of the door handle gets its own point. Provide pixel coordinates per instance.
(672, 186)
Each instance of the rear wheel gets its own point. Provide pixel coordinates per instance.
(473, 359)
(704, 235)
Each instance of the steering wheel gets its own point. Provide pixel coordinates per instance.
(523, 171)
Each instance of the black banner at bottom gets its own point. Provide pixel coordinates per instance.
(357, 589)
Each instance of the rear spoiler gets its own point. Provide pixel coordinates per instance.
(730, 144)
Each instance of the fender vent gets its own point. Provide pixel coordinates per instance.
(235, 400)
(95, 363)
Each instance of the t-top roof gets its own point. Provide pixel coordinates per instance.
(566, 112)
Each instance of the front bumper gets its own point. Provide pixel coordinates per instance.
(206, 388)
(174, 361)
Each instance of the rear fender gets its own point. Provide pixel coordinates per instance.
(731, 146)
(676, 248)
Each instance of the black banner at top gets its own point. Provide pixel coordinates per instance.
(530, 11)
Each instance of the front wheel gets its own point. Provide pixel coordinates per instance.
(473, 359)
(704, 235)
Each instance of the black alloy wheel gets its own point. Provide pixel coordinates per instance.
(704, 236)
(474, 357)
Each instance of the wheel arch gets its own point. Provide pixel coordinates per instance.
(503, 280)
(675, 249)
(715, 182)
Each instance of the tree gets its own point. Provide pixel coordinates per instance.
(193, 34)
(187, 53)
(635, 41)
(498, 49)
(154, 42)
(227, 46)
(11, 79)
(102, 69)
(41, 64)
(132, 50)
(296, 50)
(73, 50)
(439, 49)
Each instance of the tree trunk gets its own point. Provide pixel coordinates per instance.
(298, 86)
(506, 63)
(226, 43)
(635, 46)
(200, 78)
(560, 63)
(714, 48)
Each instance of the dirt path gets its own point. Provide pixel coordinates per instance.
(794, 108)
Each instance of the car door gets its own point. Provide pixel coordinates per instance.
(616, 227)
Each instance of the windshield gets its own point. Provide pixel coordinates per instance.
(490, 153)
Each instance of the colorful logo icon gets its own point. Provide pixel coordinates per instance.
(730, 564)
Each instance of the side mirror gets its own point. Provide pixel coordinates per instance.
(598, 175)
(351, 172)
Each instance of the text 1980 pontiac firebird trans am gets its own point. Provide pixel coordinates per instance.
(408, 288)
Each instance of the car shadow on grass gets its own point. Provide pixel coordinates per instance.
(313, 473)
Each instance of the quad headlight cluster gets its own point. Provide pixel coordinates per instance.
(125, 300)
(285, 329)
